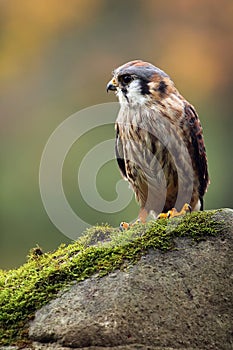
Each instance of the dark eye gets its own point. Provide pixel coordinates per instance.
(126, 79)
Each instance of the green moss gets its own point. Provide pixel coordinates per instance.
(101, 250)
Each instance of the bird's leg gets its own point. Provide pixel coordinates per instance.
(141, 219)
(173, 212)
(143, 213)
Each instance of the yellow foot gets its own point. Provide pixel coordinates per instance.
(125, 225)
(173, 212)
(141, 219)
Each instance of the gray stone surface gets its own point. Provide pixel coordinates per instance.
(182, 299)
(39, 346)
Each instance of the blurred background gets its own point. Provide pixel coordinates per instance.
(56, 57)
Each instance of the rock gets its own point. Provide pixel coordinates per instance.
(180, 299)
(39, 346)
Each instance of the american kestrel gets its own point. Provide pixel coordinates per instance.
(159, 142)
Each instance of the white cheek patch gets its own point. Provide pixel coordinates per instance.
(121, 97)
(133, 96)
(134, 93)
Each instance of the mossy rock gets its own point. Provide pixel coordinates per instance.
(101, 249)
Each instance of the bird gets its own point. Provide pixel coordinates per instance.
(159, 142)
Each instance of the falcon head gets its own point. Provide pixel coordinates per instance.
(137, 82)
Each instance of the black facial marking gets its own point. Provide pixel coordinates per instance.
(124, 91)
(162, 87)
(144, 87)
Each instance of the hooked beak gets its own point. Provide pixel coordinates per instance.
(112, 85)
